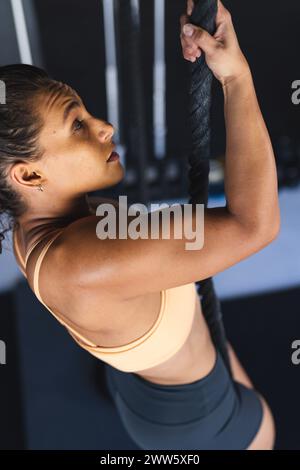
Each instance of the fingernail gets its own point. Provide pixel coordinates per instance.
(188, 30)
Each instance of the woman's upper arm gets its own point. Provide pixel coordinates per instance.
(127, 267)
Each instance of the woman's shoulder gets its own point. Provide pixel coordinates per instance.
(59, 281)
(62, 233)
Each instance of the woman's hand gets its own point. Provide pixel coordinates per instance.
(222, 51)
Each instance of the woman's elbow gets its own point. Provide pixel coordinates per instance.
(271, 229)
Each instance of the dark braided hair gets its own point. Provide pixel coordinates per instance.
(20, 126)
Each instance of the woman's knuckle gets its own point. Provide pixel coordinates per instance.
(200, 34)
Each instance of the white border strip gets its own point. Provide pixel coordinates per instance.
(21, 31)
(159, 81)
(111, 73)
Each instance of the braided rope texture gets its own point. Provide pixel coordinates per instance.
(200, 97)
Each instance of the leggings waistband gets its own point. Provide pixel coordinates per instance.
(175, 403)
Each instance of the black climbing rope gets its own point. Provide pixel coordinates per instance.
(204, 15)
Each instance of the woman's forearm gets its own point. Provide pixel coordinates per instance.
(251, 184)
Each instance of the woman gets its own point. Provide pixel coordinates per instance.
(136, 297)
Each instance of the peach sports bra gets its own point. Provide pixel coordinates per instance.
(166, 336)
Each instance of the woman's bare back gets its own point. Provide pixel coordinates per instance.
(194, 360)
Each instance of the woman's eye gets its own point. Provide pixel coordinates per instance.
(75, 127)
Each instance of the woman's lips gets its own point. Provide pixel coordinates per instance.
(113, 157)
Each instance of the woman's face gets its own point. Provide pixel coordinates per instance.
(76, 147)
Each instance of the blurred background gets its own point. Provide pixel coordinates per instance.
(124, 59)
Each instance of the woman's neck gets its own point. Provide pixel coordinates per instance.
(32, 223)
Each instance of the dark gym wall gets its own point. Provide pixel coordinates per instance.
(73, 46)
(9, 53)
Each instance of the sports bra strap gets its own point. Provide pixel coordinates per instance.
(36, 290)
(17, 249)
(76, 335)
(30, 251)
(38, 264)
(18, 254)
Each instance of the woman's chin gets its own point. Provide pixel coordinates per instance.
(117, 174)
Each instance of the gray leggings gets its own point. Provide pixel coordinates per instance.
(213, 413)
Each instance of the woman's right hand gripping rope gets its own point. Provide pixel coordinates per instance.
(222, 51)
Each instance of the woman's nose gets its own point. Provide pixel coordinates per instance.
(106, 132)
